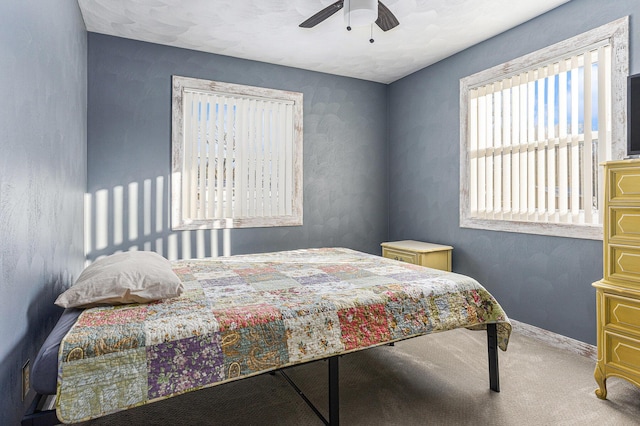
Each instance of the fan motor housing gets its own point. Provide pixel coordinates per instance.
(359, 13)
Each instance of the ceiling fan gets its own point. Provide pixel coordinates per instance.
(385, 19)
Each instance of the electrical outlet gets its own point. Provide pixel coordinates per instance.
(26, 380)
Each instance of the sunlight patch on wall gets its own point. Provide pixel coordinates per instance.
(133, 216)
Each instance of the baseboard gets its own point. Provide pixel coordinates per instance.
(556, 340)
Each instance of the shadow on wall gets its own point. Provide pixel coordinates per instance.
(135, 216)
(41, 316)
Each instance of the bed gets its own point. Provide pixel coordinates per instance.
(245, 315)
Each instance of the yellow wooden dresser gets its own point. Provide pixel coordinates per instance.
(618, 293)
(430, 255)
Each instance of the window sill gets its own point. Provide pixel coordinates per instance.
(587, 232)
(255, 222)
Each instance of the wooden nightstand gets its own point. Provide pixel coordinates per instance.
(430, 255)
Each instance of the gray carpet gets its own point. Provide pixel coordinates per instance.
(441, 379)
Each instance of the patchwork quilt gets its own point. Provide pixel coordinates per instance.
(244, 315)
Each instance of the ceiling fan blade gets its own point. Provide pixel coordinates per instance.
(386, 20)
(323, 14)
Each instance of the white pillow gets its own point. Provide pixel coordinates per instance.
(129, 277)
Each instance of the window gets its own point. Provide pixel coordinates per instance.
(236, 156)
(534, 131)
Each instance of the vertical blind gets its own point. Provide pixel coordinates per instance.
(238, 156)
(536, 139)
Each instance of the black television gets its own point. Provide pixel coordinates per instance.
(633, 115)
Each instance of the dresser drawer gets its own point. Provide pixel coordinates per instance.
(622, 313)
(624, 224)
(624, 184)
(622, 352)
(622, 263)
(402, 256)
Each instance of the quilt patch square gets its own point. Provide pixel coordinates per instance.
(444, 312)
(183, 272)
(308, 276)
(356, 297)
(93, 342)
(213, 273)
(180, 365)
(481, 307)
(192, 290)
(215, 293)
(254, 348)
(200, 267)
(233, 318)
(338, 268)
(296, 271)
(228, 280)
(364, 326)
(320, 278)
(120, 380)
(371, 281)
(347, 272)
(179, 306)
(193, 323)
(309, 304)
(330, 288)
(387, 269)
(253, 275)
(408, 316)
(276, 284)
(313, 336)
(113, 315)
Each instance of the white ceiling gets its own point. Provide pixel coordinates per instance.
(267, 30)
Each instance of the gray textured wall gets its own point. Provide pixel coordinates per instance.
(544, 281)
(43, 101)
(129, 141)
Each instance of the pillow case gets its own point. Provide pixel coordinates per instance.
(129, 277)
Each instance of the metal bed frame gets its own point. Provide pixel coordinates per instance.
(37, 417)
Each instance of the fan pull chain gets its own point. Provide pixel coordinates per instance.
(349, 15)
(371, 40)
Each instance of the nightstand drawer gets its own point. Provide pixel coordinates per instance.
(402, 256)
(622, 312)
(622, 263)
(622, 352)
(624, 184)
(624, 224)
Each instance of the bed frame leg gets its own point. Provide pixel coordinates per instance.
(35, 417)
(492, 341)
(334, 400)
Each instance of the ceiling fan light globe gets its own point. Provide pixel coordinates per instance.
(359, 13)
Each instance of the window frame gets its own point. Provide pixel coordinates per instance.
(178, 222)
(617, 34)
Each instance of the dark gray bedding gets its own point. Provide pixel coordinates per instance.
(44, 373)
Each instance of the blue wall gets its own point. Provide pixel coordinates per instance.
(43, 104)
(129, 142)
(543, 281)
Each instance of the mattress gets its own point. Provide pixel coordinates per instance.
(44, 373)
(245, 315)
